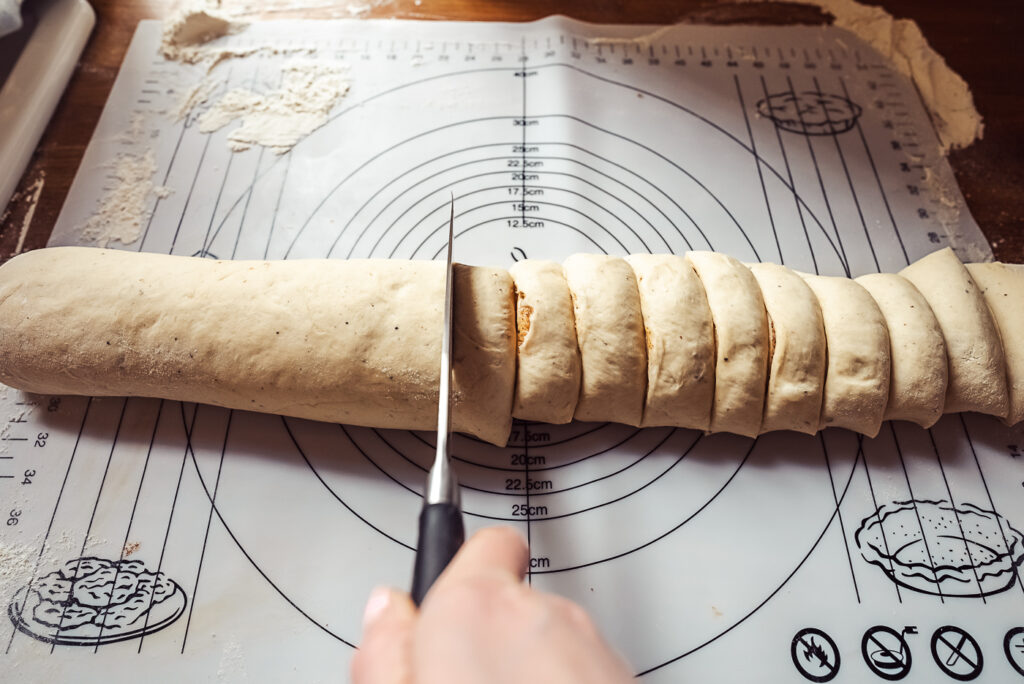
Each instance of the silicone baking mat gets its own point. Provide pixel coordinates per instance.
(206, 542)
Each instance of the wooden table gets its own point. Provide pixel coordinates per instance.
(979, 39)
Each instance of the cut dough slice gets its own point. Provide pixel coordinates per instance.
(796, 374)
(977, 371)
(610, 333)
(858, 366)
(483, 350)
(548, 370)
(680, 342)
(1002, 286)
(919, 374)
(741, 333)
(354, 341)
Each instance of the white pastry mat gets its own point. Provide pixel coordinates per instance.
(703, 558)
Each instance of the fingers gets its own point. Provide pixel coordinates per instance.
(493, 550)
(385, 655)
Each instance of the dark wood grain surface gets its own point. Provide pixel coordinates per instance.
(980, 40)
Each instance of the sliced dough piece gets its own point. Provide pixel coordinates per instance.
(1002, 286)
(741, 333)
(610, 334)
(548, 370)
(919, 373)
(680, 341)
(858, 366)
(796, 374)
(355, 341)
(977, 371)
(483, 350)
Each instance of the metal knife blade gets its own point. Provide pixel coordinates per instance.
(441, 486)
(441, 530)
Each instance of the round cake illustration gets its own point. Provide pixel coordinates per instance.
(937, 548)
(810, 112)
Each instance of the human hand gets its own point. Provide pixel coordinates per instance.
(481, 623)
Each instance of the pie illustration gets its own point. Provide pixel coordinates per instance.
(92, 601)
(811, 112)
(937, 548)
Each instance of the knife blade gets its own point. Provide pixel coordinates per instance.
(441, 530)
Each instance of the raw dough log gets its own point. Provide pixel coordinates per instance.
(977, 371)
(548, 368)
(646, 340)
(680, 342)
(1002, 286)
(741, 332)
(857, 370)
(610, 332)
(919, 372)
(347, 341)
(797, 351)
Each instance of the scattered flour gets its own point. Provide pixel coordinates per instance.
(17, 563)
(6, 427)
(280, 118)
(643, 40)
(135, 131)
(232, 664)
(321, 9)
(187, 33)
(195, 96)
(20, 562)
(945, 93)
(29, 196)
(125, 207)
(188, 30)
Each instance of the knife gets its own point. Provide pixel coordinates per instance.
(441, 530)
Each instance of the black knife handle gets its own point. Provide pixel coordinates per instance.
(441, 535)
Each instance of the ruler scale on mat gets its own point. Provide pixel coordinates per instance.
(257, 538)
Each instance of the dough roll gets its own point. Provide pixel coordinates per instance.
(548, 358)
(797, 350)
(919, 372)
(741, 334)
(680, 341)
(610, 333)
(699, 341)
(858, 366)
(977, 370)
(354, 342)
(1002, 286)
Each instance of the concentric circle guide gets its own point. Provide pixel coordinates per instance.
(699, 556)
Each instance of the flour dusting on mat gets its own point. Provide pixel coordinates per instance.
(17, 563)
(125, 207)
(232, 663)
(195, 96)
(33, 201)
(278, 119)
(187, 34)
(188, 30)
(29, 199)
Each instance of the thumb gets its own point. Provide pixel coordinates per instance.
(499, 552)
(385, 655)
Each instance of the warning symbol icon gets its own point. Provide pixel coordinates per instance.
(886, 652)
(815, 655)
(957, 653)
(1013, 646)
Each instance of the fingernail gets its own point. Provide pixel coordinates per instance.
(376, 605)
